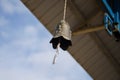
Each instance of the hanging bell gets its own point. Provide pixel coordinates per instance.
(62, 36)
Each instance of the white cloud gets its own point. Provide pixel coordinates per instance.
(20, 74)
(38, 58)
(13, 6)
(59, 78)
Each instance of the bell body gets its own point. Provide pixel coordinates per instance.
(63, 29)
(62, 36)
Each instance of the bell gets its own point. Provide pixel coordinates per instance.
(62, 36)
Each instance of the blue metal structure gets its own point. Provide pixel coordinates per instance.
(112, 17)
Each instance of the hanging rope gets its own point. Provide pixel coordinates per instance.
(64, 15)
(65, 8)
(57, 53)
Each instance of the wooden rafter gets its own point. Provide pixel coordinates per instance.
(88, 30)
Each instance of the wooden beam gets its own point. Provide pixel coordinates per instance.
(88, 30)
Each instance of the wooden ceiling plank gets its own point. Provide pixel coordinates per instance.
(24, 1)
(74, 9)
(80, 16)
(106, 52)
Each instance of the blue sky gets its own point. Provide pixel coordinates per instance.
(25, 52)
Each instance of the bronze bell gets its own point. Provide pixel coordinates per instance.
(62, 36)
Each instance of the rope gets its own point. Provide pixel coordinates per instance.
(65, 7)
(57, 53)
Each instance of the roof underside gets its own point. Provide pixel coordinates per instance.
(96, 51)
